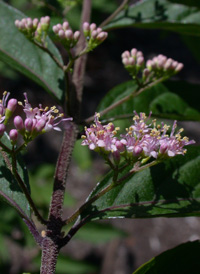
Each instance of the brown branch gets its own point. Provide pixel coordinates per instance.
(114, 14)
(79, 67)
(56, 207)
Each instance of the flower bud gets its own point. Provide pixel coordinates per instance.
(140, 61)
(146, 73)
(94, 34)
(69, 34)
(120, 146)
(102, 36)
(179, 67)
(137, 150)
(35, 23)
(40, 125)
(133, 52)
(13, 134)
(86, 27)
(77, 35)
(29, 23)
(99, 30)
(61, 34)
(163, 148)
(93, 26)
(168, 64)
(28, 124)
(12, 104)
(2, 129)
(65, 25)
(125, 54)
(55, 29)
(18, 122)
(17, 22)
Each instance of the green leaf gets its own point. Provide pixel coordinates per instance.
(182, 259)
(82, 155)
(174, 100)
(159, 14)
(97, 233)
(9, 186)
(170, 189)
(22, 55)
(41, 181)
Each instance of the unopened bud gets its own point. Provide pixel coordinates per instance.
(86, 26)
(65, 25)
(93, 26)
(61, 34)
(18, 122)
(99, 30)
(146, 73)
(77, 35)
(139, 54)
(102, 36)
(94, 34)
(179, 67)
(168, 64)
(35, 22)
(17, 22)
(40, 125)
(126, 54)
(120, 146)
(131, 61)
(69, 34)
(13, 134)
(140, 61)
(12, 104)
(137, 150)
(133, 52)
(163, 148)
(55, 29)
(28, 124)
(29, 23)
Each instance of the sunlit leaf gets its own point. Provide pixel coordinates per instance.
(170, 189)
(19, 53)
(159, 14)
(182, 259)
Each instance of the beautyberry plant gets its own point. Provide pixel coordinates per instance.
(148, 144)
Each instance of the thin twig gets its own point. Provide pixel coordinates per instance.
(107, 189)
(124, 99)
(79, 67)
(24, 189)
(59, 64)
(114, 14)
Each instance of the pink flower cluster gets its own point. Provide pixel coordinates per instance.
(94, 35)
(159, 66)
(142, 141)
(37, 121)
(66, 35)
(33, 28)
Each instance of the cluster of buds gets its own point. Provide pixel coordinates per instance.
(94, 36)
(38, 120)
(133, 61)
(159, 66)
(142, 141)
(34, 29)
(66, 35)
